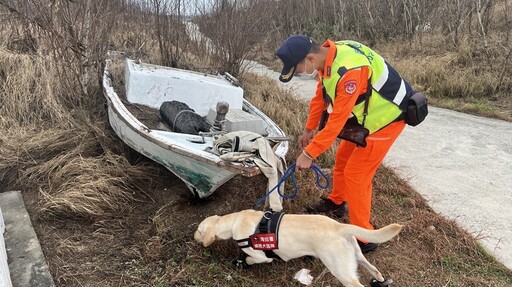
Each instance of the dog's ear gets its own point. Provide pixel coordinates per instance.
(208, 229)
(225, 225)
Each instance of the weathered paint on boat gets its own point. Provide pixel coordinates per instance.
(182, 154)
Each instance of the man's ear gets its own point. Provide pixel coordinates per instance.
(310, 57)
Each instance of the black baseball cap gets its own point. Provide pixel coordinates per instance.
(292, 51)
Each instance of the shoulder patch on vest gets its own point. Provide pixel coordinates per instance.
(350, 87)
(342, 71)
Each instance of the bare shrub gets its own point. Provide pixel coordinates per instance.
(73, 33)
(170, 30)
(234, 28)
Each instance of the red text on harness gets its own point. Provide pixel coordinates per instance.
(263, 241)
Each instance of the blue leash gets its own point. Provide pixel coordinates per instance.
(290, 172)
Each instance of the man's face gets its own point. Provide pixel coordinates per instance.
(301, 67)
(305, 66)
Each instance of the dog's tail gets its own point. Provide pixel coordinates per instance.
(376, 236)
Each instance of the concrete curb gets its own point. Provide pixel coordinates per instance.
(27, 263)
(5, 278)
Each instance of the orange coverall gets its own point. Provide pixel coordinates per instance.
(355, 166)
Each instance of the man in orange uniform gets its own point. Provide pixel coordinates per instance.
(347, 70)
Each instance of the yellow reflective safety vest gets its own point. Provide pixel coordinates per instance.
(389, 92)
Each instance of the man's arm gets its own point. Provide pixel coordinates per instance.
(353, 83)
(316, 107)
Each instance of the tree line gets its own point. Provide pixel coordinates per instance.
(80, 32)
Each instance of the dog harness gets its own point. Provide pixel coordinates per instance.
(265, 237)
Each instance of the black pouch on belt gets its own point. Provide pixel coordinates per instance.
(352, 131)
(417, 109)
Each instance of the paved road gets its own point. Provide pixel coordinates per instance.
(462, 165)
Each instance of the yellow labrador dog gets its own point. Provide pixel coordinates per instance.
(301, 235)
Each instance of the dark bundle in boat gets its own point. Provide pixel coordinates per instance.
(182, 119)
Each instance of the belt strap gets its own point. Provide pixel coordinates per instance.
(270, 221)
(270, 224)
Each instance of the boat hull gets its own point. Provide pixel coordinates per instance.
(200, 177)
(185, 155)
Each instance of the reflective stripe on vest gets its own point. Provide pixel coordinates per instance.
(390, 92)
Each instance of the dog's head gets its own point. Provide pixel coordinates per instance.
(205, 233)
(215, 227)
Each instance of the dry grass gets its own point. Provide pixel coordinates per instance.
(55, 147)
(90, 187)
(464, 78)
(28, 88)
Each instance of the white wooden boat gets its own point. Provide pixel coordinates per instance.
(185, 155)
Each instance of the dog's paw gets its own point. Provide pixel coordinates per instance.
(308, 258)
(241, 264)
(385, 283)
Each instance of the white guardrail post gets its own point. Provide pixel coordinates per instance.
(5, 278)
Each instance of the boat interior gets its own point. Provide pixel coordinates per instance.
(144, 87)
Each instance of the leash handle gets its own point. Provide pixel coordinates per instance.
(319, 174)
(290, 172)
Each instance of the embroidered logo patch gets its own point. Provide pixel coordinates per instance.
(350, 87)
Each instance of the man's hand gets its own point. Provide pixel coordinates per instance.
(303, 162)
(305, 139)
